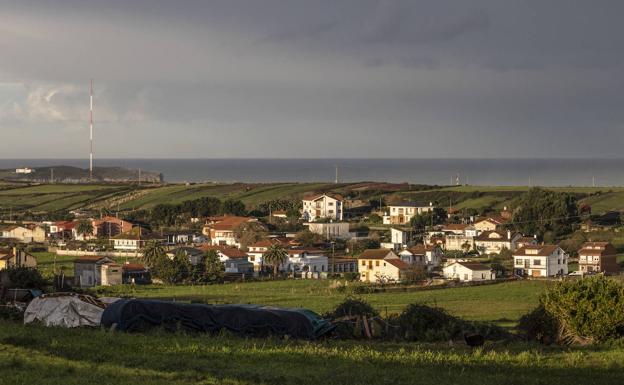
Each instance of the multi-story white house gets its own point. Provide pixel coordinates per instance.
(331, 230)
(540, 261)
(401, 213)
(322, 206)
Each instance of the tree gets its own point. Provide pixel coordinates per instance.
(213, 267)
(175, 270)
(541, 211)
(249, 233)
(275, 256)
(85, 227)
(209, 269)
(308, 238)
(233, 207)
(153, 253)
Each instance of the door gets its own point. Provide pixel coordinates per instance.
(536, 273)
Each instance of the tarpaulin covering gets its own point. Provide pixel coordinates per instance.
(139, 315)
(66, 311)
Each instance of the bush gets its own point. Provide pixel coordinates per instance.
(352, 306)
(423, 323)
(590, 309)
(539, 325)
(26, 278)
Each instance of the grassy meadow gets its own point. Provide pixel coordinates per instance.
(45, 197)
(501, 303)
(34, 354)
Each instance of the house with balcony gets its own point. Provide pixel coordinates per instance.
(401, 213)
(540, 261)
(323, 206)
(598, 257)
(490, 223)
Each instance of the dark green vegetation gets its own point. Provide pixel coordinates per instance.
(584, 311)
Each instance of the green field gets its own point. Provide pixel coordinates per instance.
(39, 198)
(502, 303)
(50, 356)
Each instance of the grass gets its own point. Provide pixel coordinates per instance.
(36, 355)
(129, 196)
(503, 303)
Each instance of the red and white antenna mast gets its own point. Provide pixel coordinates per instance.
(91, 132)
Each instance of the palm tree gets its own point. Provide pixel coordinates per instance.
(84, 227)
(152, 252)
(275, 256)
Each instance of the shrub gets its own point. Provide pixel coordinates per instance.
(26, 278)
(423, 323)
(352, 306)
(590, 309)
(539, 325)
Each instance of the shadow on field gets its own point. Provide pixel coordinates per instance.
(195, 358)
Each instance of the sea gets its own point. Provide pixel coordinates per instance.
(490, 172)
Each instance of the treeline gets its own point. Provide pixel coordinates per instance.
(166, 214)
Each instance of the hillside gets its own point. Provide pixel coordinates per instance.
(130, 196)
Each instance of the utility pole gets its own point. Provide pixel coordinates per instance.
(336, 180)
(139, 176)
(51, 175)
(593, 181)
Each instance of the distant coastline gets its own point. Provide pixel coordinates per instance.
(492, 172)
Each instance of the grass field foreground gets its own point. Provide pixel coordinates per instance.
(37, 355)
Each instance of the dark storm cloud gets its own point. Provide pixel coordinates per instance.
(384, 78)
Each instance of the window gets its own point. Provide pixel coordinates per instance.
(465, 277)
(376, 263)
(537, 262)
(330, 204)
(252, 258)
(518, 261)
(363, 263)
(384, 264)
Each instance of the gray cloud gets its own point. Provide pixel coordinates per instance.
(387, 78)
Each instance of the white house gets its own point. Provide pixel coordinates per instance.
(222, 230)
(135, 240)
(331, 230)
(322, 206)
(428, 256)
(305, 261)
(540, 261)
(493, 242)
(468, 272)
(24, 170)
(401, 213)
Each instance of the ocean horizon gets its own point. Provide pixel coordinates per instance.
(605, 172)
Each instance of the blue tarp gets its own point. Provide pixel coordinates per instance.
(138, 315)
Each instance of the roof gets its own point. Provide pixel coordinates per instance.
(396, 262)
(90, 259)
(374, 254)
(409, 204)
(230, 252)
(231, 222)
(186, 250)
(496, 219)
(493, 236)
(455, 226)
(313, 197)
(266, 242)
(542, 250)
(419, 249)
(475, 266)
(137, 234)
(132, 267)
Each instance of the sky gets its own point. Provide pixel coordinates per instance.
(312, 79)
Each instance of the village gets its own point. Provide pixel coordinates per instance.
(404, 243)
